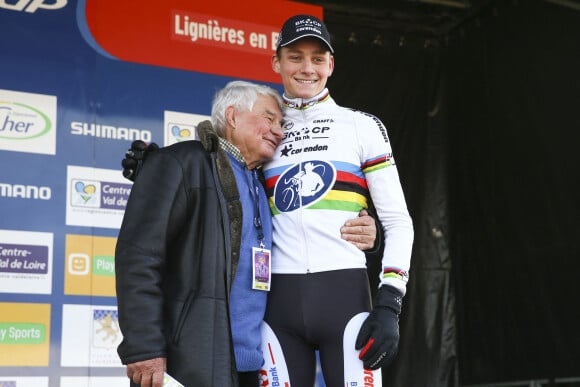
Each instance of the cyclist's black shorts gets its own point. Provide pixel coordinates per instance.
(309, 312)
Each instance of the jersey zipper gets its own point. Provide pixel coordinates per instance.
(306, 253)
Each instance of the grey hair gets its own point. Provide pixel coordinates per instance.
(241, 95)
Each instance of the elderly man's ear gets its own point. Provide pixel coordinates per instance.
(231, 116)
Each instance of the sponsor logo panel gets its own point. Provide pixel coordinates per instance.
(92, 381)
(26, 262)
(90, 336)
(31, 6)
(24, 334)
(27, 122)
(89, 265)
(181, 126)
(96, 197)
(17, 381)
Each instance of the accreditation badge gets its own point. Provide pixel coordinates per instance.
(261, 268)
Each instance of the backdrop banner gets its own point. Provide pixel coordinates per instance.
(79, 81)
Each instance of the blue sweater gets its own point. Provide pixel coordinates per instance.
(247, 306)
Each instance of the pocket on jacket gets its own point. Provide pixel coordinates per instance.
(201, 317)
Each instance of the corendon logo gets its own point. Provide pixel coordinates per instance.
(32, 6)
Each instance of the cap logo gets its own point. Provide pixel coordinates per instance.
(308, 25)
(301, 26)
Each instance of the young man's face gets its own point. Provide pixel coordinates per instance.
(304, 66)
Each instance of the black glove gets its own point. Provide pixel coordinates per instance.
(379, 335)
(134, 158)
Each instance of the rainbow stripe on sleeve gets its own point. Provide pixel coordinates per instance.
(380, 162)
(393, 272)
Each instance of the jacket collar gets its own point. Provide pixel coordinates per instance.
(208, 136)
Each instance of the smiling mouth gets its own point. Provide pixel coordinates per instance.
(306, 81)
(273, 143)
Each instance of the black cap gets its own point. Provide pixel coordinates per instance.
(301, 26)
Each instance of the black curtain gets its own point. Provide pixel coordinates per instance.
(484, 124)
(514, 210)
(401, 83)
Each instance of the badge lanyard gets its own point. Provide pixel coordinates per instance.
(255, 191)
(261, 262)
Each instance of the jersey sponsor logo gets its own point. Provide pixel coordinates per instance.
(288, 125)
(303, 185)
(316, 132)
(290, 150)
(379, 125)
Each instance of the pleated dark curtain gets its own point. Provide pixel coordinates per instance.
(485, 125)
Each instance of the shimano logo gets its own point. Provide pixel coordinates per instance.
(107, 131)
(328, 120)
(25, 191)
(32, 6)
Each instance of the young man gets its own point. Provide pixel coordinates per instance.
(331, 161)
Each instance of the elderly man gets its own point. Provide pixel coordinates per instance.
(196, 224)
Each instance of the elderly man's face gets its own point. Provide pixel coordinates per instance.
(258, 132)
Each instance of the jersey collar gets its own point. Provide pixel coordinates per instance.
(303, 104)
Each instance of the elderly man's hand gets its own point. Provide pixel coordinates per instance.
(147, 373)
(360, 231)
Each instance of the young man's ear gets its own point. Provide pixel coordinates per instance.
(331, 65)
(275, 64)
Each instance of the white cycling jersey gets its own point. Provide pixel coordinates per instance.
(328, 164)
